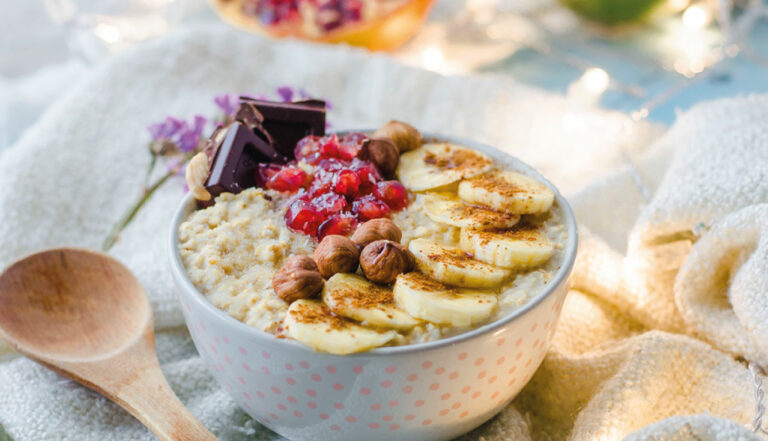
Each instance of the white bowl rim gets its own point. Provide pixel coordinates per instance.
(560, 277)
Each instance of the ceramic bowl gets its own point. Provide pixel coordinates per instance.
(429, 391)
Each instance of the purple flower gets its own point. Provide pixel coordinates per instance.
(166, 129)
(226, 103)
(199, 122)
(189, 136)
(285, 93)
(173, 131)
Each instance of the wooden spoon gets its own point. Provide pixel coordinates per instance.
(84, 315)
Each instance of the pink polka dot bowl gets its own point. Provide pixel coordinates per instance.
(429, 391)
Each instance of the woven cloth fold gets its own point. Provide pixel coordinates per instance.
(722, 288)
(633, 356)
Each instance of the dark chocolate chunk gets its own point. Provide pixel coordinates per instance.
(212, 143)
(238, 154)
(287, 123)
(247, 113)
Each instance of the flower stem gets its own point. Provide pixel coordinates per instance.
(150, 169)
(114, 235)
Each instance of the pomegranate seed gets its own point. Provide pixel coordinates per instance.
(313, 149)
(323, 182)
(369, 175)
(346, 182)
(393, 193)
(288, 179)
(265, 171)
(271, 12)
(330, 14)
(347, 152)
(302, 195)
(350, 144)
(329, 147)
(368, 207)
(306, 146)
(302, 216)
(353, 10)
(355, 138)
(330, 203)
(342, 224)
(332, 164)
(320, 187)
(308, 149)
(325, 176)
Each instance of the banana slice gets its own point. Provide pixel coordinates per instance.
(507, 191)
(353, 297)
(455, 267)
(438, 165)
(312, 323)
(430, 300)
(446, 208)
(523, 246)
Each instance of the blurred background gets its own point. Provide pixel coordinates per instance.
(646, 58)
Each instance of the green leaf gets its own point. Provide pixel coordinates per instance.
(4, 436)
(612, 12)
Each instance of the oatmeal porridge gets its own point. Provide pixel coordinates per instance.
(365, 241)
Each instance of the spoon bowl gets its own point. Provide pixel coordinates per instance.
(84, 315)
(74, 305)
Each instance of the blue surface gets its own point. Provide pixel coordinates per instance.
(628, 59)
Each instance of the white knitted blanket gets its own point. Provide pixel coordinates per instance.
(615, 369)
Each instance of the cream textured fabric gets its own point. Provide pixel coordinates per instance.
(614, 370)
(722, 288)
(717, 171)
(720, 168)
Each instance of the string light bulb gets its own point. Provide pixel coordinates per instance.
(696, 17)
(107, 32)
(596, 80)
(589, 87)
(432, 58)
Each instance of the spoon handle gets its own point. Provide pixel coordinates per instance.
(152, 401)
(133, 379)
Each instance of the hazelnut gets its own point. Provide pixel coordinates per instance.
(383, 260)
(376, 229)
(405, 136)
(297, 279)
(196, 174)
(336, 254)
(382, 152)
